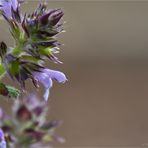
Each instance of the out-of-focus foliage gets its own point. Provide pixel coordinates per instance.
(27, 126)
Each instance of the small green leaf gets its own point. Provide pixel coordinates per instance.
(9, 91)
(30, 58)
(45, 51)
(2, 71)
(3, 90)
(14, 68)
(13, 92)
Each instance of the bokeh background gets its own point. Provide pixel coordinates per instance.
(105, 101)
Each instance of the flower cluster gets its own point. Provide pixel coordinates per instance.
(35, 42)
(27, 126)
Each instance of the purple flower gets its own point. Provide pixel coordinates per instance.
(1, 135)
(2, 139)
(45, 78)
(6, 7)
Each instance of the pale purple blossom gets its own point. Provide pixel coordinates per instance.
(46, 76)
(2, 139)
(6, 7)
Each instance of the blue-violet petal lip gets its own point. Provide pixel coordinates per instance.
(45, 78)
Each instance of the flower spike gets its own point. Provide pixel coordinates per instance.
(35, 42)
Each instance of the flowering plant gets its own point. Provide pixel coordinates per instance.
(35, 42)
(27, 125)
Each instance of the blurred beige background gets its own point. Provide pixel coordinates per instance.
(105, 101)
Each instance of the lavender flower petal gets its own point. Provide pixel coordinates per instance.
(45, 81)
(14, 4)
(57, 75)
(2, 139)
(45, 78)
(46, 93)
(1, 135)
(6, 7)
(3, 144)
